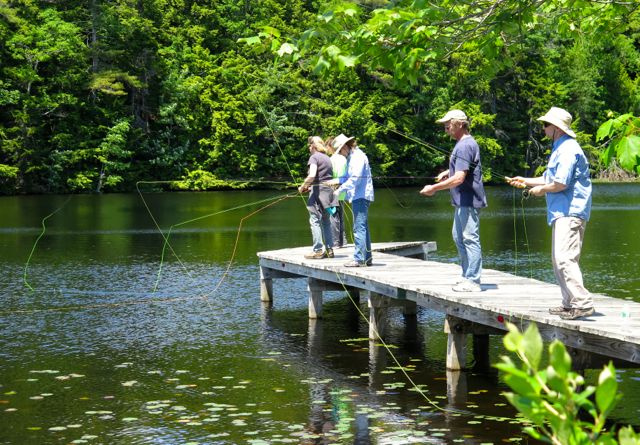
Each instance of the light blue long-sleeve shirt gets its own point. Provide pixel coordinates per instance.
(357, 183)
(568, 165)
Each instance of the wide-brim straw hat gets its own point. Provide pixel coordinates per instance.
(340, 140)
(458, 115)
(560, 118)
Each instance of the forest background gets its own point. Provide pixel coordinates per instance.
(96, 95)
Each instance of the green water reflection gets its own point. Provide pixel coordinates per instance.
(94, 355)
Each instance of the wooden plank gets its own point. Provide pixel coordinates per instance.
(356, 279)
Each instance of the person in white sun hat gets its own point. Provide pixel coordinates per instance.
(357, 185)
(566, 184)
(464, 181)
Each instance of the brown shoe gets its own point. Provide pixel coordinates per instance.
(574, 313)
(316, 255)
(558, 310)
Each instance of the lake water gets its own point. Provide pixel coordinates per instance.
(106, 338)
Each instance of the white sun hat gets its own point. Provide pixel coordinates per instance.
(560, 118)
(453, 114)
(340, 140)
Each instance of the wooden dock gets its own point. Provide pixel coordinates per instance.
(401, 275)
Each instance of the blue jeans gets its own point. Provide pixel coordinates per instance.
(466, 235)
(320, 229)
(337, 226)
(361, 237)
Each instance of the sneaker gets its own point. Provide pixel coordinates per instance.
(354, 264)
(369, 262)
(575, 312)
(316, 255)
(467, 286)
(558, 310)
(330, 253)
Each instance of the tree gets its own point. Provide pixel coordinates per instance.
(99, 168)
(41, 77)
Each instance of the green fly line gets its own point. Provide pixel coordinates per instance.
(35, 244)
(167, 245)
(415, 386)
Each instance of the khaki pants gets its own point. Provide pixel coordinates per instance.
(568, 233)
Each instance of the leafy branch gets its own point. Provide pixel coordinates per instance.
(623, 136)
(553, 397)
(409, 39)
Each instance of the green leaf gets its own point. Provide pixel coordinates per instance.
(350, 12)
(254, 40)
(627, 436)
(608, 153)
(533, 432)
(275, 43)
(621, 120)
(333, 51)
(522, 384)
(559, 359)
(346, 61)
(532, 346)
(557, 383)
(529, 407)
(628, 152)
(607, 389)
(606, 439)
(604, 131)
(321, 66)
(286, 48)
(271, 31)
(327, 16)
(513, 339)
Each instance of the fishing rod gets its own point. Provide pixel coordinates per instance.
(440, 150)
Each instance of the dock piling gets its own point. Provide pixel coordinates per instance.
(456, 343)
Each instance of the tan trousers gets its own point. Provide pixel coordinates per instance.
(568, 233)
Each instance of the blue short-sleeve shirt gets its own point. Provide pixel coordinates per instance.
(569, 166)
(466, 157)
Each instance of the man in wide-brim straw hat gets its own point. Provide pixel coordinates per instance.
(567, 186)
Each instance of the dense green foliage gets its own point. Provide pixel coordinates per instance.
(95, 96)
(552, 396)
